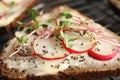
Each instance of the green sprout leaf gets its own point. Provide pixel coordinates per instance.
(50, 20)
(22, 39)
(44, 25)
(20, 25)
(66, 14)
(12, 3)
(33, 14)
(57, 27)
(64, 23)
(29, 30)
(66, 38)
(37, 24)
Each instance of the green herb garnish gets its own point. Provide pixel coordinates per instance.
(57, 27)
(67, 39)
(64, 23)
(12, 3)
(44, 25)
(50, 20)
(22, 39)
(66, 14)
(37, 24)
(33, 14)
(20, 25)
(29, 30)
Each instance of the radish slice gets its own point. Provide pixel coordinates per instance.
(27, 47)
(80, 45)
(80, 48)
(50, 49)
(103, 51)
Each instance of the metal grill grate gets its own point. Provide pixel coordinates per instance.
(98, 10)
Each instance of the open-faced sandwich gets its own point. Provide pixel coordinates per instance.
(13, 10)
(61, 45)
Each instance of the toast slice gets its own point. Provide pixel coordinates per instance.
(13, 11)
(56, 66)
(116, 3)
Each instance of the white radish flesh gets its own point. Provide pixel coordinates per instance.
(49, 48)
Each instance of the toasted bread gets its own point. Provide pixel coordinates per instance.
(116, 3)
(72, 67)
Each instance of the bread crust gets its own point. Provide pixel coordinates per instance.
(13, 24)
(71, 73)
(116, 3)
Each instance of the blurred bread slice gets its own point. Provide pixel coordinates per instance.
(13, 11)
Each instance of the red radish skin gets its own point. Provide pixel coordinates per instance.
(103, 57)
(74, 51)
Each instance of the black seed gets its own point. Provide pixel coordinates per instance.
(66, 59)
(55, 44)
(113, 49)
(71, 57)
(43, 62)
(60, 39)
(81, 56)
(82, 44)
(6, 45)
(62, 62)
(44, 46)
(36, 44)
(29, 60)
(105, 64)
(51, 65)
(81, 60)
(69, 66)
(52, 54)
(57, 66)
(97, 49)
(44, 51)
(62, 47)
(118, 59)
(35, 66)
(23, 71)
(98, 42)
(60, 43)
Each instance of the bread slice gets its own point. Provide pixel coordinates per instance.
(14, 11)
(72, 67)
(116, 3)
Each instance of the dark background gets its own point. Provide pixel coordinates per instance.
(99, 10)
